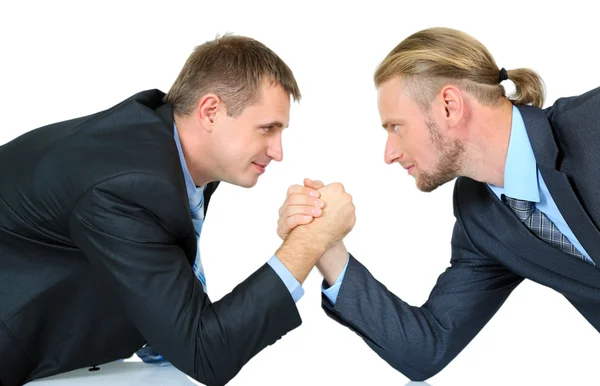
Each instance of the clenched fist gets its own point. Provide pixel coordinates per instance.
(327, 211)
(338, 217)
(301, 205)
(312, 219)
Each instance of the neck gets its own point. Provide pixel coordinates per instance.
(194, 150)
(485, 156)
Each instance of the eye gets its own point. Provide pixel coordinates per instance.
(395, 128)
(267, 128)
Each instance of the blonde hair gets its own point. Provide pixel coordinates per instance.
(432, 58)
(232, 67)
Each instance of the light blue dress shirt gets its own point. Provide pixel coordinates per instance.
(523, 180)
(286, 276)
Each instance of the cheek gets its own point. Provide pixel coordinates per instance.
(257, 145)
(248, 149)
(230, 152)
(431, 158)
(422, 152)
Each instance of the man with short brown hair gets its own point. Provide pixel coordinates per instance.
(100, 218)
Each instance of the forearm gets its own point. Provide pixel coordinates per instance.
(332, 262)
(400, 334)
(157, 289)
(301, 251)
(231, 331)
(420, 341)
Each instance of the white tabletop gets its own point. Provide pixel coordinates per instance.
(120, 373)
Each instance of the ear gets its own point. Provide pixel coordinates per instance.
(206, 112)
(452, 100)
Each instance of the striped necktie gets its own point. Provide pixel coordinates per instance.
(542, 226)
(197, 213)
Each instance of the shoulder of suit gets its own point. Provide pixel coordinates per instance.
(153, 98)
(588, 102)
(139, 106)
(133, 138)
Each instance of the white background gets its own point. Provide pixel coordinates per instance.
(62, 60)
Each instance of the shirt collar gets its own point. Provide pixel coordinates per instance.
(520, 170)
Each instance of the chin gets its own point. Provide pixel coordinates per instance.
(244, 182)
(430, 183)
(249, 185)
(427, 188)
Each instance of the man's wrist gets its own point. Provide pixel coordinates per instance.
(300, 252)
(332, 262)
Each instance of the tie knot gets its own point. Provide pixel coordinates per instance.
(522, 208)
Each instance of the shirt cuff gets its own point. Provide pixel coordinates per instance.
(288, 279)
(332, 292)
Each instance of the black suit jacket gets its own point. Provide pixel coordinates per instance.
(96, 247)
(492, 252)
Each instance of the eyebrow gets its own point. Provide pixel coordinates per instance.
(386, 124)
(393, 121)
(273, 123)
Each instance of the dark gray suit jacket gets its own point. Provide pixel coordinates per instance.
(492, 252)
(96, 247)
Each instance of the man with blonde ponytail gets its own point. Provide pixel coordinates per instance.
(526, 199)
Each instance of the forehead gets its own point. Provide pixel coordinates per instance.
(393, 101)
(273, 103)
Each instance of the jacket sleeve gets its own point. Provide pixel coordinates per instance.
(420, 341)
(123, 226)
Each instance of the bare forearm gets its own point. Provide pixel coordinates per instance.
(301, 251)
(332, 262)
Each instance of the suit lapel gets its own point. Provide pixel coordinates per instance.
(546, 154)
(573, 212)
(165, 113)
(525, 244)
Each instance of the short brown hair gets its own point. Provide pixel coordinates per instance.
(232, 67)
(429, 59)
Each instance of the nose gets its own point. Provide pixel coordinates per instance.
(275, 149)
(392, 150)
